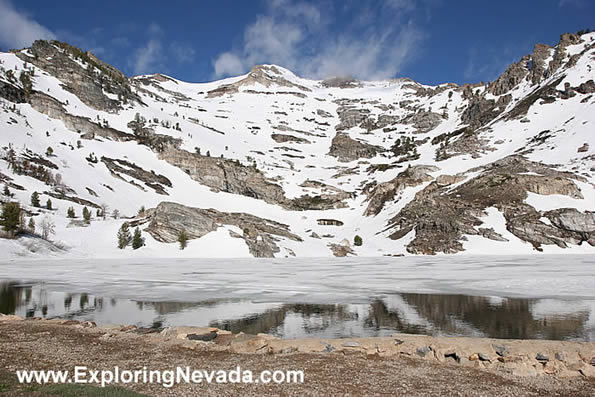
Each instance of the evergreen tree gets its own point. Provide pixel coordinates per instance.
(10, 217)
(31, 225)
(124, 236)
(6, 191)
(137, 240)
(86, 215)
(49, 151)
(70, 212)
(48, 204)
(183, 239)
(35, 199)
(141, 211)
(357, 241)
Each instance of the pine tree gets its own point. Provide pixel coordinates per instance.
(124, 236)
(10, 217)
(86, 215)
(48, 204)
(6, 191)
(137, 240)
(31, 225)
(49, 151)
(141, 211)
(35, 199)
(183, 239)
(70, 212)
(357, 241)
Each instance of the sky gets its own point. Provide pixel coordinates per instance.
(430, 41)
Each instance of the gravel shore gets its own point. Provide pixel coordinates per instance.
(61, 345)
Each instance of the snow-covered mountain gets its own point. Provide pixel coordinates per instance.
(272, 164)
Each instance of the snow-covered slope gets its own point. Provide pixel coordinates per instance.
(330, 159)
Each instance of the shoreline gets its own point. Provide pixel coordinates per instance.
(401, 364)
(518, 357)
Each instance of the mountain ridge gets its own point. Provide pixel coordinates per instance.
(410, 168)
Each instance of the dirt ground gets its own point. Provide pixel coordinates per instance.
(43, 345)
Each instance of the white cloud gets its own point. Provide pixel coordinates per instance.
(154, 55)
(182, 53)
(17, 29)
(147, 58)
(372, 57)
(228, 64)
(295, 35)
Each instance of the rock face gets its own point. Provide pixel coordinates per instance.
(64, 62)
(423, 121)
(441, 216)
(385, 192)
(151, 179)
(167, 220)
(347, 149)
(266, 75)
(573, 220)
(354, 113)
(82, 125)
(340, 82)
(283, 138)
(12, 93)
(531, 68)
(225, 175)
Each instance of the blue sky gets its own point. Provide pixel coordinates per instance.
(431, 41)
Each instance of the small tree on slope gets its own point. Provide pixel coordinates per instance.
(35, 199)
(124, 237)
(183, 239)
(10, 217)
(137, 240)
(86, 215)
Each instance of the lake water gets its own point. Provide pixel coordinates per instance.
(532, 297)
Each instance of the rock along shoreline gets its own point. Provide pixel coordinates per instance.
(523, 358)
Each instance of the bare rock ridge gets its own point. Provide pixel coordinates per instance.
(266, 75)
(167, 220)
(87, 83)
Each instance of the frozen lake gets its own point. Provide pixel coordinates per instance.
(538, 296)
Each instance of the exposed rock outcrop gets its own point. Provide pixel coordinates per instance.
(12, 93)
(89, 82)
(441, 215)
(225, 175)
(385, 192)
(330, 197)
(88, 129)
(340, 82)
(167, 220)
(283, 138)
(151, 179)
(266, 75)
(423, 121)
(347, 149)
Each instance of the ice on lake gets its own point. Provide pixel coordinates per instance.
(499, 296)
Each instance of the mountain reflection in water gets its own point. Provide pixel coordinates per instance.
(430, 314)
